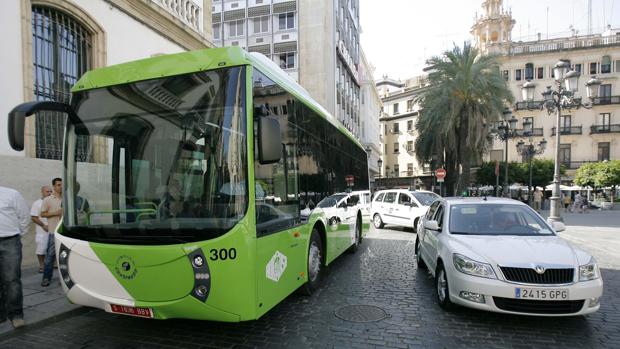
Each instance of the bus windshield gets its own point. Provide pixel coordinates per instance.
(158, 161)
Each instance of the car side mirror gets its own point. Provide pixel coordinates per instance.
(431, 225)
(343, 205)
(17, 118)
(269, 140)
(558, 226)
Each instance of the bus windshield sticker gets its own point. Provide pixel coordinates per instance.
(276, 266)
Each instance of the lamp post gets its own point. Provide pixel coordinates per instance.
(529, 151)
(563, 97)
(380, 164)
(504, 130)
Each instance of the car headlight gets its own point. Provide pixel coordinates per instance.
(589, 271)
(471, 267)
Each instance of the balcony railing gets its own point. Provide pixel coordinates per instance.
(411, 131)
(394, 131)
(188, 11)
(533, 132)
(528, 105)
(606, 100)
(564, 44)
(605, 128)
(569, 130)
(536, 105)
(573, 165)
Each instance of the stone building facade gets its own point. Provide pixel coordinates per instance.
(399, 115)
(586, 134)
(53, 42)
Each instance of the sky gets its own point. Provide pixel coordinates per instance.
(399, 35)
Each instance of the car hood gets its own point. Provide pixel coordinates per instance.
(519, 251)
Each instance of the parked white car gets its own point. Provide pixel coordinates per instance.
(339, 207)
(499, 255)
(400, 207)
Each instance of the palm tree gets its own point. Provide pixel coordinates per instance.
(465, 95)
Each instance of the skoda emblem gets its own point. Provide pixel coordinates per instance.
(540, 269)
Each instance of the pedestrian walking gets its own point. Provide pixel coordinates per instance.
(41, 226)
(578, 204)
(14, 222)
(538, 196)
(51, 208)
(567, 202)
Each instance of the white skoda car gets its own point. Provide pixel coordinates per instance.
(499, 255)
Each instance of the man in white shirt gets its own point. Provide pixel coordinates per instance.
(14, 221)
(51, 208)
(41, 225)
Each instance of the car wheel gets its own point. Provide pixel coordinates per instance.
(358, 236)
(442, 288)
(418, 258)
(376, 220)
(315, 263)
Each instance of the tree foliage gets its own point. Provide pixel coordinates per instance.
(466, 93)
(599, 174)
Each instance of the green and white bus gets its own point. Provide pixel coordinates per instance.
(196, 167)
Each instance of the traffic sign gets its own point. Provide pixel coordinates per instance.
(440, 173)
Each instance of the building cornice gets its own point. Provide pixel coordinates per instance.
(164, 23)
(405, 93)
(400, 116)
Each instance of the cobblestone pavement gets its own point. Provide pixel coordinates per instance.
(382, 274)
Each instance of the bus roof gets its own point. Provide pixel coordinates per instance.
(200, 60)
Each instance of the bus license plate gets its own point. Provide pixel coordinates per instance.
(133, 311)
(549, 294)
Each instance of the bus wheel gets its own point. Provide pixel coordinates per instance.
(358, 236)
(315, 263)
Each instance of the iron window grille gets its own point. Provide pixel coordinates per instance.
(61, 50)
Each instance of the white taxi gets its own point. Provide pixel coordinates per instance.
(499, 255)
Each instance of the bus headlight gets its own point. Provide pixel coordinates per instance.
(63, 265)
(202, 275)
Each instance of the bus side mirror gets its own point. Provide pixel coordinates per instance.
(17, 119)
(269, 140)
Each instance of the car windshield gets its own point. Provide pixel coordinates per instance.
(331, 201)
(496, 219)
(425, 198)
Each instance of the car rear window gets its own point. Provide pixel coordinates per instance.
(426, 199)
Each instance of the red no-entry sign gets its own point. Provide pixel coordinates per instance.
(440, 173)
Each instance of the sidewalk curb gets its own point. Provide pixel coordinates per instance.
(44, 322)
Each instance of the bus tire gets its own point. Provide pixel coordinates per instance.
(358, 235)
(315, 266)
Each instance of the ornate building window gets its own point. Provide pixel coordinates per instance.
(61, 52)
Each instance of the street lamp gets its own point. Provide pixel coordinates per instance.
(380, 164)
(529, 151)
(563, 97)
(504, 130)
